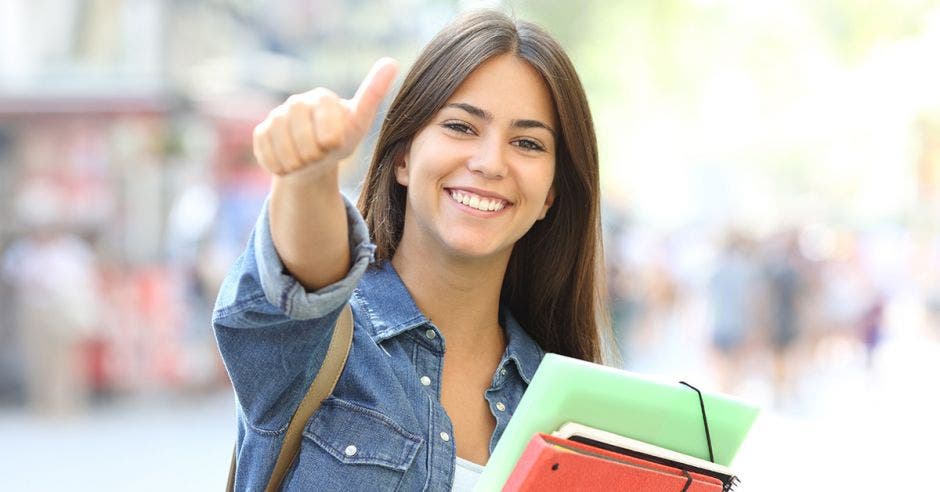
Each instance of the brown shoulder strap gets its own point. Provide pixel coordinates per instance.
(321, 387)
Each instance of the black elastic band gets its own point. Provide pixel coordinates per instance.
(688, 481)
(708, 436)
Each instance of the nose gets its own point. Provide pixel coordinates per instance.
(489, 160)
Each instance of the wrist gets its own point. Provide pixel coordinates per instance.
(321, 180)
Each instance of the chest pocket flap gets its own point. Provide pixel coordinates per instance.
(357, 435)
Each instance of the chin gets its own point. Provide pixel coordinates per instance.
(467, 248)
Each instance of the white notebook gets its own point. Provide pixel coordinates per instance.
(593, 436)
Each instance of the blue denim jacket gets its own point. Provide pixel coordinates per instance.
(383, 428)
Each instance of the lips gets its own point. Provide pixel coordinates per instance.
(485, 203)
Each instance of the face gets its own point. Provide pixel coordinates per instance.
(480, 173)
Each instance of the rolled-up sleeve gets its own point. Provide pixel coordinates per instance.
(272, 333)
(258, 281)
(284, 291)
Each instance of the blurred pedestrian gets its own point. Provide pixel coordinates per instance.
(872, 328)
(785, 286)
(54, 280)
(733, 292)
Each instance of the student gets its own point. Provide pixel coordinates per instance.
(474, 250)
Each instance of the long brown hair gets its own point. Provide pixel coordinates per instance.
(553, 283)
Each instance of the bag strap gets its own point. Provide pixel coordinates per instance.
(321, 387)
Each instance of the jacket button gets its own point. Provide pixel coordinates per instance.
(425, 380)
(430, 334)
(350, 450)
(500, 406)
(445, 436)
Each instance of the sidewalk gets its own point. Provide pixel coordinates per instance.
(162, 444)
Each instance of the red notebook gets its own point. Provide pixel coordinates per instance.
(552, 463)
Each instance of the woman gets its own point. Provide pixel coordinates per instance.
(477, 229)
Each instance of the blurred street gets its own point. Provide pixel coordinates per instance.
(171, 443)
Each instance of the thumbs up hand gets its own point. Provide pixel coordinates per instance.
(311, 132)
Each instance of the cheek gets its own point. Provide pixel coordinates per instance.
(411, 157)
(540, 181)
(543, 191)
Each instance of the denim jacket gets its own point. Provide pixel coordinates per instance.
(383, 427)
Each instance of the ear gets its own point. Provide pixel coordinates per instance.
(401, 169)
(549, 200)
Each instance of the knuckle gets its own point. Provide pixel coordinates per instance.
(279, 113)
(275, 129)
(314, 96)
(260, 130)
(321, 96)
(320, 92)
(304, 144)
(296, 104)
(297, 113)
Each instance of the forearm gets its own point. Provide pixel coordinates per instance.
(309, 228)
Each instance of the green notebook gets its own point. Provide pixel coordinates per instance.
(661, 413)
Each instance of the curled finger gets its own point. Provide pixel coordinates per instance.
(283, 145)
(303, 133)
(331, 121)
(264, 152)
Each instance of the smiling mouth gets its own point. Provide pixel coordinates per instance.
(477, 202)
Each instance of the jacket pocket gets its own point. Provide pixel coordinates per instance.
(348, 447)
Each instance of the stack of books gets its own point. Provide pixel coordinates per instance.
(582, 426)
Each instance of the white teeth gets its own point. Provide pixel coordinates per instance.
(477, 202)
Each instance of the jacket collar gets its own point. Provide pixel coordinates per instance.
(386, 302)
(520, 348)
(391, 311)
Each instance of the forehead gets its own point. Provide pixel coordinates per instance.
(509, 88)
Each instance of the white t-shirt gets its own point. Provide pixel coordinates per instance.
(466, 475)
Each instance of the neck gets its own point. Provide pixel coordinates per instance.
(459, 295)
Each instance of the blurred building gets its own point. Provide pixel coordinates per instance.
(128, 123)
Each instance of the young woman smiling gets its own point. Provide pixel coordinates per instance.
(474, 250)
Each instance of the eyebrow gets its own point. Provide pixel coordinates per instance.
(486, 115)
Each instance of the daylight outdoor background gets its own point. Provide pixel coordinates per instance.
(771, 175)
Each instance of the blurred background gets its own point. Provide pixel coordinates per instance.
(771, 175)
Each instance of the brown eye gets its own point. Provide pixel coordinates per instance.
(458, 127)
(529, 144)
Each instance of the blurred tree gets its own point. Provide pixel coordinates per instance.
(855, 28)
